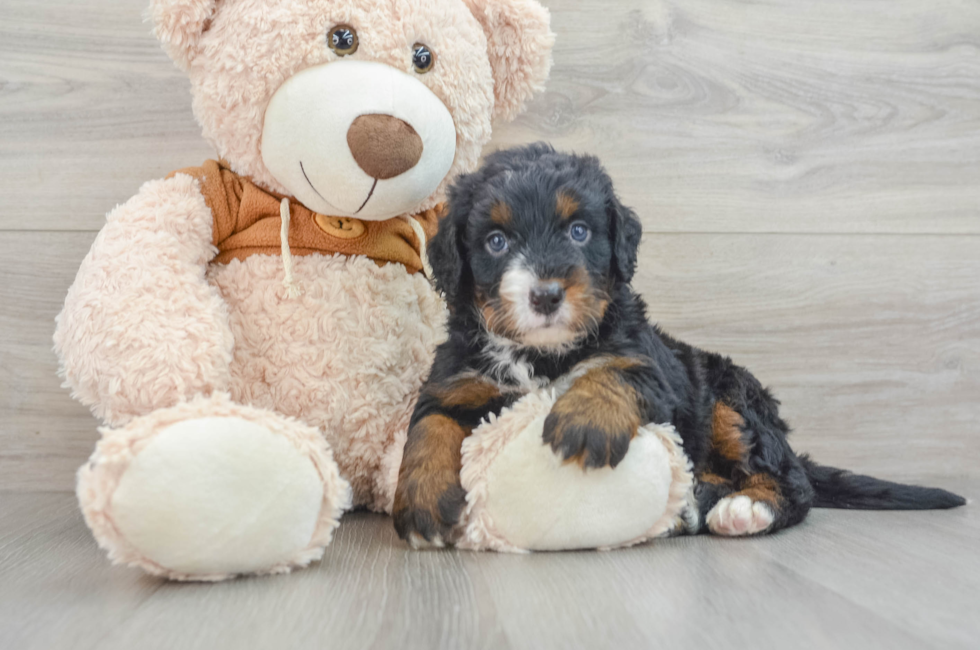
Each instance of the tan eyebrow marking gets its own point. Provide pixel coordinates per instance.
(501, 214)
(566, 204)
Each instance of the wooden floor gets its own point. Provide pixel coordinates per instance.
(808, 174)
(841, 580)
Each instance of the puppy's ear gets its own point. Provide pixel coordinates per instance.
(446, 257)
(519, 43)
(624, 234)
(179, 25)
(447, 250)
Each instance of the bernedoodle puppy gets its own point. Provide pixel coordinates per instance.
(535, 258)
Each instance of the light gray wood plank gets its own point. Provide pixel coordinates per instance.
(56, 587)
(872, 343)
(775, 116)
(370, 591)
(90, 109)
(832, 582)
(679, 593)
(713, 116)
(917, 570)
(44, 435)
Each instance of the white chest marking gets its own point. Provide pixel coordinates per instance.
(507, 366)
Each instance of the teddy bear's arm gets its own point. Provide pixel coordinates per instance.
(141, 327)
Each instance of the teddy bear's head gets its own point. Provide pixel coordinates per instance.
(362, 108)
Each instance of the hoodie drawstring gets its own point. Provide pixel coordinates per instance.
(293, 289)
(423, 255)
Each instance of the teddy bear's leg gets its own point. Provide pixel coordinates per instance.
(209, 489)
(523, 496)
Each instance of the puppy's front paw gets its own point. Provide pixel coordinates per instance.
(428, 507)
(585, 439)
(595, 420)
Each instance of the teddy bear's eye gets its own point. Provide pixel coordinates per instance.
(342, 39)
(422, 58)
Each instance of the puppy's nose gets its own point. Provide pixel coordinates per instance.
(547, 297)
(383, 145)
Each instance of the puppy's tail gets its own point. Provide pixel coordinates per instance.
(838, 488)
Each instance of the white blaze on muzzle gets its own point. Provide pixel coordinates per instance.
(534, 329)
(403, 139)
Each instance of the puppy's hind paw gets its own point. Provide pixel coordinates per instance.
(418, 543)
(739, 515)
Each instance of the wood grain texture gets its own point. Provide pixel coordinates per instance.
(840, 580)
(44, 435)
(773, 116)
(713, 116)
(90, 109)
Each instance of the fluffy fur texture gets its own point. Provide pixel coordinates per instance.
(515, 31)
(118, 447)
(347, 356)
(558, 218)
(142, 328)
(492, 55)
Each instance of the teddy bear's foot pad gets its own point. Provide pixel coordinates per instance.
(205, 498)
(218, 495)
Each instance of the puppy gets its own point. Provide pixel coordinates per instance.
(535, 258)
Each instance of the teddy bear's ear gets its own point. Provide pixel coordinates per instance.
(519, 41)
(179, 24)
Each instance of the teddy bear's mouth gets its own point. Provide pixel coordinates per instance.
(310, 183)
(370, 194)
(313, 187)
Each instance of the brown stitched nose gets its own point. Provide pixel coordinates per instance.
(547, 297)
(383, 145)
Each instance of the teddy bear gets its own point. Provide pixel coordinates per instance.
(253, 331)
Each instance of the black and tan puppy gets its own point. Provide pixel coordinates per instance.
(535, 258)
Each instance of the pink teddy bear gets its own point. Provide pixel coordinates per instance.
(253, 331)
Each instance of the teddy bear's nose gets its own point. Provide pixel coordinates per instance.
(383, 145)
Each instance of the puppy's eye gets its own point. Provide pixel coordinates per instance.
(496, 243)
(342, 39)
(579, 232)
(422, 58)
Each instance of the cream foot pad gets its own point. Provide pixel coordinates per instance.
(211, 489)
(522, 497)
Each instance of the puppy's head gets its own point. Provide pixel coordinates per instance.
(534, 243)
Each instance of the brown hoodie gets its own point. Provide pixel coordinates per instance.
(247, 222)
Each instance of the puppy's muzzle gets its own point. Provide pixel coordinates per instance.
(546, 297)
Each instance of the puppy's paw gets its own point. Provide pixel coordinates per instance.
(739, 515)
(419, 543)
(427, 509)
(579, 438)
(595, 420)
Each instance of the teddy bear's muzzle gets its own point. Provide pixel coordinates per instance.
(358, 139)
